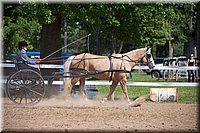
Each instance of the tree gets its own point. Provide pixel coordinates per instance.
(18, 29)
(198, 30)
(49, 17)
(114, 27)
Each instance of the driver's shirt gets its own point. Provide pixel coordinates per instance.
(23, 58)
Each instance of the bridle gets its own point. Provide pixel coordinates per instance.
(148, 56)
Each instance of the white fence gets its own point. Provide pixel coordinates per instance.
(101, 82)
(135, 83)
(11, 65)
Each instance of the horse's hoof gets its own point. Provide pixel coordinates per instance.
(105, 99)
(102, 101)
(85, 99)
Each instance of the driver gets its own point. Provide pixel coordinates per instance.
(22, 56)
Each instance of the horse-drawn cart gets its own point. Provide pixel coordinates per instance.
(27, 85)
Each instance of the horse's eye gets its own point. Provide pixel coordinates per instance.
(148, 55)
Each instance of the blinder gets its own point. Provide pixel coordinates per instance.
(148, 55)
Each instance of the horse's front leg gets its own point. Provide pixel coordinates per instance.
(112, 89)
(123, 86)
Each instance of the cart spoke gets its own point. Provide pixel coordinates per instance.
(17, 83)
(20, 101)
(15, 97)
(15, 91)
(25, 97)
(34, 84)
(32, 97)
(35, 92)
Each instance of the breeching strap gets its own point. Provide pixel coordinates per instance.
(111, 67)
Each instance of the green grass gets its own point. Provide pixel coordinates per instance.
(186, 94)
(143, 77)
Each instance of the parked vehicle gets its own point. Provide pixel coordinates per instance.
(182, 61)
(158, 63)
(157, 72)
(159, 60)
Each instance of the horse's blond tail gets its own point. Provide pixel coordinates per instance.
(67, 80)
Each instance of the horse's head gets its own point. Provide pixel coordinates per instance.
(148, 58)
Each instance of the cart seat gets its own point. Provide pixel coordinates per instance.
(21, 65)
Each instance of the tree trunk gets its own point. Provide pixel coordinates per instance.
(51, 38)
(170, 46)
(50, 42)
(120, 47)
(113, 45)
(97, 41)
(198, 30)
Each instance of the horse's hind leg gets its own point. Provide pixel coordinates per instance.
(82, 85)
(68, 85)
(123, 85)
(112, 89)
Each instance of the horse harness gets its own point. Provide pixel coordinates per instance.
(147, 55)
(110, 58)
(121, 67)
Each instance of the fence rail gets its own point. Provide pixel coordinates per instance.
(3, 81)
(11, 65)
(136, 83)
(50, 66)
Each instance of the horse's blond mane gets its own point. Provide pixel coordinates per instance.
(134, 51)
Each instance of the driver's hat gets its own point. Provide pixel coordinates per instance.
(22, 44)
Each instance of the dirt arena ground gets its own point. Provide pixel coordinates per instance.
(57, 115)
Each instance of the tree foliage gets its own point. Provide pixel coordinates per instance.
(20, 30)
(113, 27)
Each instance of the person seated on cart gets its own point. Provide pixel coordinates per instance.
(23, 60)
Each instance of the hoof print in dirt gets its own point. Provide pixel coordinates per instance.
(135, 105)
(138, 101)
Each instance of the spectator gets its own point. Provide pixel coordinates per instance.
(191, 62)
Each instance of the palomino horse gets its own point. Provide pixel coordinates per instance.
(113, 68)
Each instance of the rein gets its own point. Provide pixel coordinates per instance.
(57, 59)
(131, 60)
(65, 47)
(86, 73)
(122, 58)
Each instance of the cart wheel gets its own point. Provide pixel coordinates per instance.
(25, 87)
